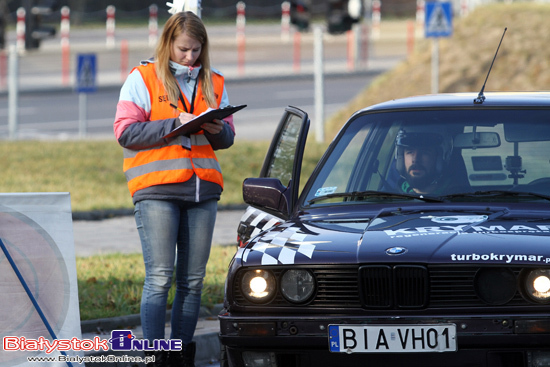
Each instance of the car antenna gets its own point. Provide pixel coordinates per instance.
(480, 97)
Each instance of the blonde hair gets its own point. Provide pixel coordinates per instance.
(189, 23)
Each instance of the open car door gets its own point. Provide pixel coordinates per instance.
(273, 196)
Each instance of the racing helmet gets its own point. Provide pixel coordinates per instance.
(426, 136)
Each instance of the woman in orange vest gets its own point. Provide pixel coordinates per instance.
(176, 182)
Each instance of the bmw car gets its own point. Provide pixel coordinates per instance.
(422, 238)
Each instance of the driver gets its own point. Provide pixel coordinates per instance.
(422, 157)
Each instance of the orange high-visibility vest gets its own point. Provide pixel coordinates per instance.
(171, 163)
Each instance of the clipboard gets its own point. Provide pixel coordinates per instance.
(194, 125)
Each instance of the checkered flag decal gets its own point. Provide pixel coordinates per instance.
(258, 220)
(282, 245)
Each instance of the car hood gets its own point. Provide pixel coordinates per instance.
(417, 237)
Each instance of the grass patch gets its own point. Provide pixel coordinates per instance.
(91, 171)
(111, 285)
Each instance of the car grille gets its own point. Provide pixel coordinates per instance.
(394, 287)
(386, 286)
(336, 287)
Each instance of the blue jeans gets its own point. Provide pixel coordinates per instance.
(181, 233)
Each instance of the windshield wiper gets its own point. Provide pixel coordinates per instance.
(494, 193)
(372, 193)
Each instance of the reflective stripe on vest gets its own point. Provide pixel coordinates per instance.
(171, 163)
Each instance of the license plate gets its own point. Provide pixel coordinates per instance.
(392, 338)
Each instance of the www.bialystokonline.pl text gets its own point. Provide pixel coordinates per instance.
(94, 359)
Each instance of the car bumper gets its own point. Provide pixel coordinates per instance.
(484, 341)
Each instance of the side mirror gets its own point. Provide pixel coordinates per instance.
(267, 194)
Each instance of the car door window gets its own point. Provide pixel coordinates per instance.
(340, 171)
(282, 160)
(339, 177)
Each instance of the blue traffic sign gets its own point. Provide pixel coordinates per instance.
(86, 72)
(438, 19)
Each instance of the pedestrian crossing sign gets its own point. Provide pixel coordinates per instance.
(439, 19)
(86, 72)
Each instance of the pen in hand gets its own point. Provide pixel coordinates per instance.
(184, 116)
(177, 108)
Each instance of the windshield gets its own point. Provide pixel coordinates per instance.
(449, 155)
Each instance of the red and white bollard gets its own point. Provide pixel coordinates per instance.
(65, 26)
(64, 30)
(285, 21)
(241, 18)
(153, 24)
(376, 17)
(110, 26)
(241, 39)
(420, 17)
(20, 30)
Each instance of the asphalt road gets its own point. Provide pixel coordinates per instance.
(274, 74)
(56, 115)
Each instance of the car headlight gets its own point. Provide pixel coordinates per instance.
(258, 286)
(297, 285)
(537, 285)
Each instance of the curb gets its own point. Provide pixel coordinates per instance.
(131, 321)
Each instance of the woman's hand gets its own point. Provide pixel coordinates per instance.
(214, 127)
(186, 117)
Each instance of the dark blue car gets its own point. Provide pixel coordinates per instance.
(422, 238)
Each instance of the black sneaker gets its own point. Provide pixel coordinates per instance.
(184, 357)
(162, 358)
